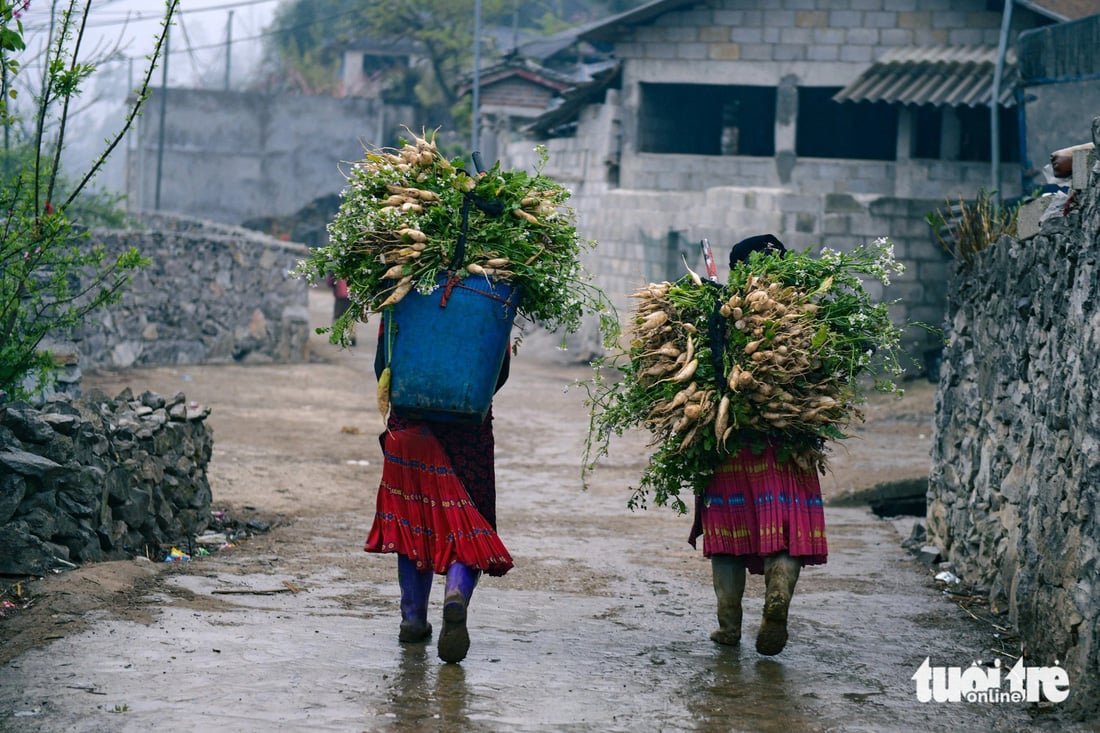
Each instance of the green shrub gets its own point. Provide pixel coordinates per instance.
(51, 275)
(966, 228)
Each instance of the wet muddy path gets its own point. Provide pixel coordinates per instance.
(603, 624)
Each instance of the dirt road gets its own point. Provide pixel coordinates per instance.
(602, 626)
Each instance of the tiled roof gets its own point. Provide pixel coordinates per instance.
(572, 100)
(939, 75)
(522, 68)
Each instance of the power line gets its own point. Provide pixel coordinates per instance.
(257, 37)
(190, 49)
(271, 33)
(130, 16)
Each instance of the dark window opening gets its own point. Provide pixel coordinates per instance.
(927, 132)
(372, 64)
(976, 139)
(828, 129)
(707, 119)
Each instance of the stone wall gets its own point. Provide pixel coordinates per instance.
(99, 478)
(213, 294)
(1015, 481)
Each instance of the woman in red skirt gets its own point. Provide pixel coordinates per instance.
(436, 509)
(763, 515)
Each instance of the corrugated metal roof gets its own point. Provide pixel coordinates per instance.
(952, 76)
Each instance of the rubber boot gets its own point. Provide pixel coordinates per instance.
(416, 586)
(454, 639)
(780, 576)
(729, 585)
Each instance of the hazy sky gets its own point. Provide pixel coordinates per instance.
(119, 36)
(197, 42)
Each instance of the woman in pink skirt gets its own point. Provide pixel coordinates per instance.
(763, 515)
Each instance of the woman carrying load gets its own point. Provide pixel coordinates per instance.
(762, 515)
(436, 509)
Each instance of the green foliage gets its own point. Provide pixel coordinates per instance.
(444, 33)
(965, 229)
(828, 337)
(307, 37)
(400, 223)
(51, 276)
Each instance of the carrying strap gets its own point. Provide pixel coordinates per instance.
(716, 334)
(489, 206)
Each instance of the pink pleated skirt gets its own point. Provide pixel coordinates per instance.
(757, 506)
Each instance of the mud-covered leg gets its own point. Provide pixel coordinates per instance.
(780, 576)
(416, 586)
(454, 639)
(728, 572)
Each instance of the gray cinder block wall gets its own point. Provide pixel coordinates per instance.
(646, 235)
(229, 157)
(1014, 489)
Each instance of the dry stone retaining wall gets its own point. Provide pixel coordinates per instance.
(213, 294)
(99, 478)
(1015, 484)
(95, 478)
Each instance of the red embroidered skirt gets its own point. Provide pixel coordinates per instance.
(756, 506)
(423, 510)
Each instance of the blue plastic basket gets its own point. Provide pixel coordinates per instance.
(447, 348)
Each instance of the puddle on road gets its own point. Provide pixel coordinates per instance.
(636, 657)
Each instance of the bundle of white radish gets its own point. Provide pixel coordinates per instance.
(794, 338)
(409, 217)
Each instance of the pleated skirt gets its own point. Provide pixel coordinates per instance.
(423, 510)
(756, 506)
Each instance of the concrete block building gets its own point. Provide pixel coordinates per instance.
(825, 122)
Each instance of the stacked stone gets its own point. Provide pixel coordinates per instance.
(212, 294)
(1015, 477)
(100, 478)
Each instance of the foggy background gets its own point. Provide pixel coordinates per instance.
(213, 44)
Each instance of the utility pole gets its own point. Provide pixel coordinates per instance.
(163, 113)
(133, 141)
(228, 47)
(476, 121)
(995, 103)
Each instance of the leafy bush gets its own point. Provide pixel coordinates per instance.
(965, 229)
(410, 216)
(51, 276)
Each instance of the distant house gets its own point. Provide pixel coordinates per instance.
(905, 84)
(512, 93)
(379, 70)
(532, 75)
(815, 120)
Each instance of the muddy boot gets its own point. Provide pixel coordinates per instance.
(780, 576)
(416, 586)
(454, 640)
(729, 586)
